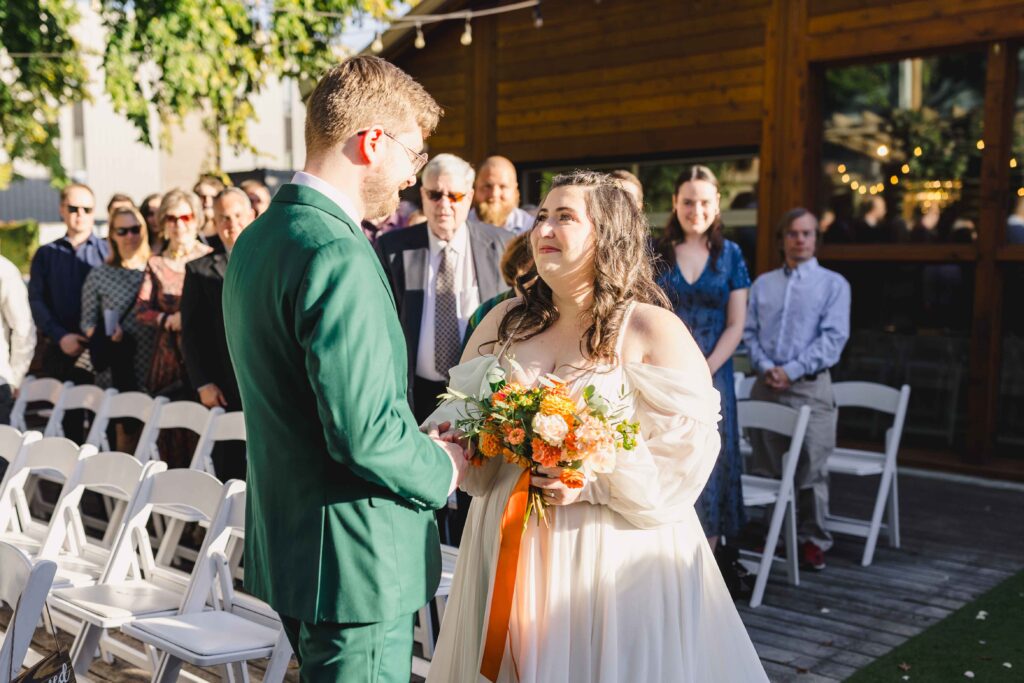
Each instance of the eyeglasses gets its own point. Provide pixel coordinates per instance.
(437, 195)
(170, 219)
(130, 230)
(79, 209)
(418, 159)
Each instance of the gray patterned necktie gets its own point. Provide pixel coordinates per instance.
(447, 345)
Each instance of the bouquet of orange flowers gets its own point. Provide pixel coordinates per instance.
(544, 427)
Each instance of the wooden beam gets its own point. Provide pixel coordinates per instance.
(482, 95)
(986, 317)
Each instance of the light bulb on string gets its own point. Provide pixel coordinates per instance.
(538, 18)
(377, 46)
(420, 41)
(467, 34)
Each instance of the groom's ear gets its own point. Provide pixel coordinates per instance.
(370, 142)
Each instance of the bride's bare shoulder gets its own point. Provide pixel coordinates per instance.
(658, 337)
(485, 335)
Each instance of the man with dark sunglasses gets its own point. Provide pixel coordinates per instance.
(440, 271)
(55, 292)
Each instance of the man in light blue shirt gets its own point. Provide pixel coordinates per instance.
(798, 322)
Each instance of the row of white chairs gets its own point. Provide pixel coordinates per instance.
(850, 461)
(194, 617)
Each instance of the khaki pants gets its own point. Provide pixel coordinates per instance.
(811, 475)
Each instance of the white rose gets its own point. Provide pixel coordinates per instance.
(550, 428)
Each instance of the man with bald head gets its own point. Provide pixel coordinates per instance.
(496, 197)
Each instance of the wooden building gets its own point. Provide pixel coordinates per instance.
(822, 103)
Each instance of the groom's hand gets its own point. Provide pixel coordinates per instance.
(453, 450)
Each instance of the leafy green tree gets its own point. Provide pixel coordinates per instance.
(40, 71)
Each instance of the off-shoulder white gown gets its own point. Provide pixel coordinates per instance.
(622, 587)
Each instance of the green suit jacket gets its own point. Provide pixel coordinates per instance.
(341, 483)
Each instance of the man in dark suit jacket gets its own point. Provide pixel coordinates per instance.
(417, 259)
(203, 340)
(440, 272)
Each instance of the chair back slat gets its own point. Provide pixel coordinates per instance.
(869, 395)
(83, 397)
(773, 417)
(132, 404)
(229, 427)
(45, 389)
(23, 587)
(184, 415)
(113, 472)
(198, 491)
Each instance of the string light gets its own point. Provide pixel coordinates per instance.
(918, 151)
(1013, 163)
(377, 46)
(883, 151)
(981, 144)
(841, 168)
(467, 34)
(854, 185)
(905, 168)
(894, 180)
(420, 41)
(846, 177)
(538, 18)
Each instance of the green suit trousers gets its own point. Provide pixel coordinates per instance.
(380, 652)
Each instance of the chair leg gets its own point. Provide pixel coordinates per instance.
(770, 543)
(83, 650)
(277, 666)
(168, 671)
(427, 632)
(792, 549)
(236, 672)
(876, 517)
(894, 513)
(116, 518)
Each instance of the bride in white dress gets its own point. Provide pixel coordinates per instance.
(621, 587)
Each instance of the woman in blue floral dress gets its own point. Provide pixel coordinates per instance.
(707, 281)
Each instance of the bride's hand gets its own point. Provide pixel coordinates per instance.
(552, 488)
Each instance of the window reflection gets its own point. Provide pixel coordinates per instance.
(902, 145)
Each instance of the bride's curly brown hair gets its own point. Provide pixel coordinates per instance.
(622, 270)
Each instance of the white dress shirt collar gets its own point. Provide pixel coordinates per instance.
(458, 242)
(342, 200)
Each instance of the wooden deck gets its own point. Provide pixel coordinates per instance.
(959, 539)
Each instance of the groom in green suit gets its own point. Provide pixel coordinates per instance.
(340, 531)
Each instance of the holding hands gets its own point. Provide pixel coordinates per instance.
(453, 445)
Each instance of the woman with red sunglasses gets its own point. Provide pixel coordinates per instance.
(159, 302)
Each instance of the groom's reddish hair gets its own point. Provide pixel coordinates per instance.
(360, 92)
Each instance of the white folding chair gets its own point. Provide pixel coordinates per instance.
(423, 632)
(133, 584)
(23, 586)
(12, 448)
(238, 629)
(81, 397)
(778, 493)
(743, 385)
(81, 558)
(45, 390)
(189, 415)
(53, 457)
(860, 463)
(223, 427)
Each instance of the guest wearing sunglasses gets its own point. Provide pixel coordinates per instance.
(440, 271)
(58, 272)
(108, 299)
(159, 304)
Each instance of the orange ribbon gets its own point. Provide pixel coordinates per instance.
(505, 577)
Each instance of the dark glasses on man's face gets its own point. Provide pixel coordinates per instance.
(437, 195)
(79, 209)
(130, 230)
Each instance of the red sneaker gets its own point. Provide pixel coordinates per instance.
(812, 557)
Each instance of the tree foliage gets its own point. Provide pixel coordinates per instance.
(40, 71)
(171, 58)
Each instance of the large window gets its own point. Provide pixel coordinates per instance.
(901, 150)
(737, 177)
(1010, 420)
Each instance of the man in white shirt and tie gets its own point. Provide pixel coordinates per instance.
(440, 272)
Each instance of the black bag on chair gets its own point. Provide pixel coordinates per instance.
(54, 668)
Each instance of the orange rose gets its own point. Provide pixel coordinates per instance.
(515, 436)
(574, 479)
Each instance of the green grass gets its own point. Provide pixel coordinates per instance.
(961, 642)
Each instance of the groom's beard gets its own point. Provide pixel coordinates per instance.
(380, 196)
